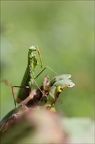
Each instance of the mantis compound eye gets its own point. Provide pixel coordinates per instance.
(59, 89)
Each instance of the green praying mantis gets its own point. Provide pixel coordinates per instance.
(51, 88)
(49, 91)
(45, 95)
(28, 82)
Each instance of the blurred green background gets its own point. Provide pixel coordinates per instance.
(64, 32)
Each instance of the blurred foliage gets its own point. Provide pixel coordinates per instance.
(38, 125)
(64, 31)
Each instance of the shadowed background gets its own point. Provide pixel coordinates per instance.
(64, 32)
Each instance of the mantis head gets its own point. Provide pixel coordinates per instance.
(32, 48)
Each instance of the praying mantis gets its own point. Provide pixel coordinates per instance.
(51, 88)
(45, 95)
(28, 81)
